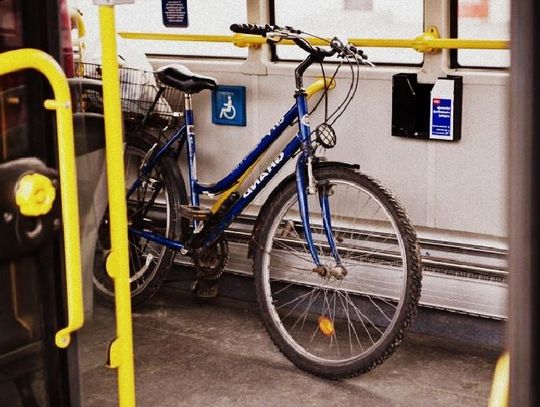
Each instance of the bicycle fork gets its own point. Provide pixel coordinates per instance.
(324, 190)
(304, 169)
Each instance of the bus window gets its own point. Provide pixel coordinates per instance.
(204, 17)
(483, 19)
(354, 19)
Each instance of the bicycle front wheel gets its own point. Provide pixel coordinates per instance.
(330, 325)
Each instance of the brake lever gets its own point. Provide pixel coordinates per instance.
(280, 33)
(367, 62)
(292, 30)
(274, 37)
(358, 54)
(362, 58)
(337, 45)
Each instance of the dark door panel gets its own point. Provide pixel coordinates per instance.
(33, 371)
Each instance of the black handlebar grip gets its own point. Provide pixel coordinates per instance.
(253, 29)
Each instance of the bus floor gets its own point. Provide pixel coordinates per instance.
(190, 352)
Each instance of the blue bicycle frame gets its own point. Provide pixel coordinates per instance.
(304, 178)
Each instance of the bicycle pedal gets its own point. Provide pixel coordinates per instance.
(205, 288)
(195, 212)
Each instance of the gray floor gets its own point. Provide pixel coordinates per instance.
(217, 353)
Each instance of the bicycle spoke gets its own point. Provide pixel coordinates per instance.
(302, 297)
(304, 315)
(350, 326)
(306, 312)
(362, 316)
(333, 320)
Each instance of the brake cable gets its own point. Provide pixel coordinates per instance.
(354, 82)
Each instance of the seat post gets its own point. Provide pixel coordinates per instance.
(188, 106)
(187, 102)
(192, 163)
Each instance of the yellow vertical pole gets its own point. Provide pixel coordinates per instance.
(500, 388)
(121, 350)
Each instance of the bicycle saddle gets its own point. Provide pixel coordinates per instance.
(180, 77)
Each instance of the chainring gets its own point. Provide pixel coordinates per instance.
(210, 262)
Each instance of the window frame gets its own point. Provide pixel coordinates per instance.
(454, 30)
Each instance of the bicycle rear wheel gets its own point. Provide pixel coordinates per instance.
(337, 327)
(152, 207)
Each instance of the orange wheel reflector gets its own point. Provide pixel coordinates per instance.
(326, 326)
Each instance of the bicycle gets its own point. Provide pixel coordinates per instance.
(335, 258)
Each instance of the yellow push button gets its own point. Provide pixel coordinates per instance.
(34, 194)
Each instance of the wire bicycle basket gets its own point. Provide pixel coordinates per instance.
(143, 96)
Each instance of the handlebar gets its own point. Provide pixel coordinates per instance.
(336, 46)
(253, 29)
(350, 55)
(274, 33)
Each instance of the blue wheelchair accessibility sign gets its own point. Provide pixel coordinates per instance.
(229, 105)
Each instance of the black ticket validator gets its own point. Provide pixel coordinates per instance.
(426, 110)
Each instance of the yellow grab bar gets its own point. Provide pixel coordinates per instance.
(121, 350)
(179, 37)
(77, 23)
(428, 41)
(20, 59)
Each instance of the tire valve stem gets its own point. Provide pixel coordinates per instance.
(326, 326)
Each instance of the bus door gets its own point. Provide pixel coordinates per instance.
(33, 371)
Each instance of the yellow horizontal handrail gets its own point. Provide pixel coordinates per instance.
(20, 59)
(426, 42)
(182, 37)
